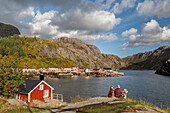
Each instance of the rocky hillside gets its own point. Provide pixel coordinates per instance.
(164, 69)
(8, 30)
(61, 52)
(82, 53)
(151, 60)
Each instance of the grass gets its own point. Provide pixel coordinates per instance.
(79, 99)
(126, 107)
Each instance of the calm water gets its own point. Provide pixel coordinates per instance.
(143, 85)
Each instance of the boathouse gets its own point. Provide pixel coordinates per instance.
(53, 70)
(107, 69)
(35, 90)
(97, 70)
(81, 69)
(66, 70)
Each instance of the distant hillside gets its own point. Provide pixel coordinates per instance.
(8, 30)
(62, 52)
(151, 60)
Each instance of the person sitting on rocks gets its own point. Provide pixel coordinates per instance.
(118, 91)
(111, 91)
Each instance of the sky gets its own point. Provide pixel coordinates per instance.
(119, 27)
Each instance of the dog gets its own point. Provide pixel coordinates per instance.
(111, 91)
(124, 94)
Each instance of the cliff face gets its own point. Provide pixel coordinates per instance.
(8, 30)
(164, 69)
(149, 60)
(82, 53)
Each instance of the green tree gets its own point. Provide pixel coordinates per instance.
(10, 78)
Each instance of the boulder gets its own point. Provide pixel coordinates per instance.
(164, 69)
(51, 103)
(16, 102)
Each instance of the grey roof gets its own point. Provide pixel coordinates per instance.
(30, 84)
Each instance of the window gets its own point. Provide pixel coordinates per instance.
(46, 92)
(41, 87)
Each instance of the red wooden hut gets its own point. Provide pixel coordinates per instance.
(97, 70)
(81, 69)
(107, 69)
(66, 70)
(35, 90)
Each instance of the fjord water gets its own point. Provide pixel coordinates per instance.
(143, 85)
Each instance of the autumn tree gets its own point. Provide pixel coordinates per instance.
(10, 78)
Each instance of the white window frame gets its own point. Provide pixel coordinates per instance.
(46, 93)
(41, 87)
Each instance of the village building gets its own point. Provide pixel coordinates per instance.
(53, 70)
(81, 69)
(28, 70)
(35, 90)
(107, 69)
(66, 70)
(97, 70)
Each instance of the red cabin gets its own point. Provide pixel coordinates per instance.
(107, 69)
(35, 90)
(97, 70)
(81, 69)
(66, 70)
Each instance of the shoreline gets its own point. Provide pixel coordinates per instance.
(73, 75)
(91, 105)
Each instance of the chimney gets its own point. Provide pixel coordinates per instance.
(41, 77)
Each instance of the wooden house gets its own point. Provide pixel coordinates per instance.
(66, 70)
(81, 69)
(97, 70)
(107, 69)
(35, 90)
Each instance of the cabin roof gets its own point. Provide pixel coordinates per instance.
(107, 68)
(30, 84)
(96, 69)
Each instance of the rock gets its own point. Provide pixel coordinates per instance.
(150, 60)
(51, 103)
(82, 53)
(164, 69)
(8, 30)
(16, 102)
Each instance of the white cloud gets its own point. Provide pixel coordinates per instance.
(27, 13)
(72, 18)
(109, 37)
(151, 34)
(86, 26)
(129, 32)
(41, 24)
(124, 5)
(77, 19)
(158, 8)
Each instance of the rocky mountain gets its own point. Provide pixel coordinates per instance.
(8, 30)
(62, 52)
(164, 69)
(82, 53)
(150, 60)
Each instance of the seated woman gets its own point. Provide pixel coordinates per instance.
(118, 91)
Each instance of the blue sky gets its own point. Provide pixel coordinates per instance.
(120, 27)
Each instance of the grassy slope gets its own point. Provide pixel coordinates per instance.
(129, 106)
(28, 50)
